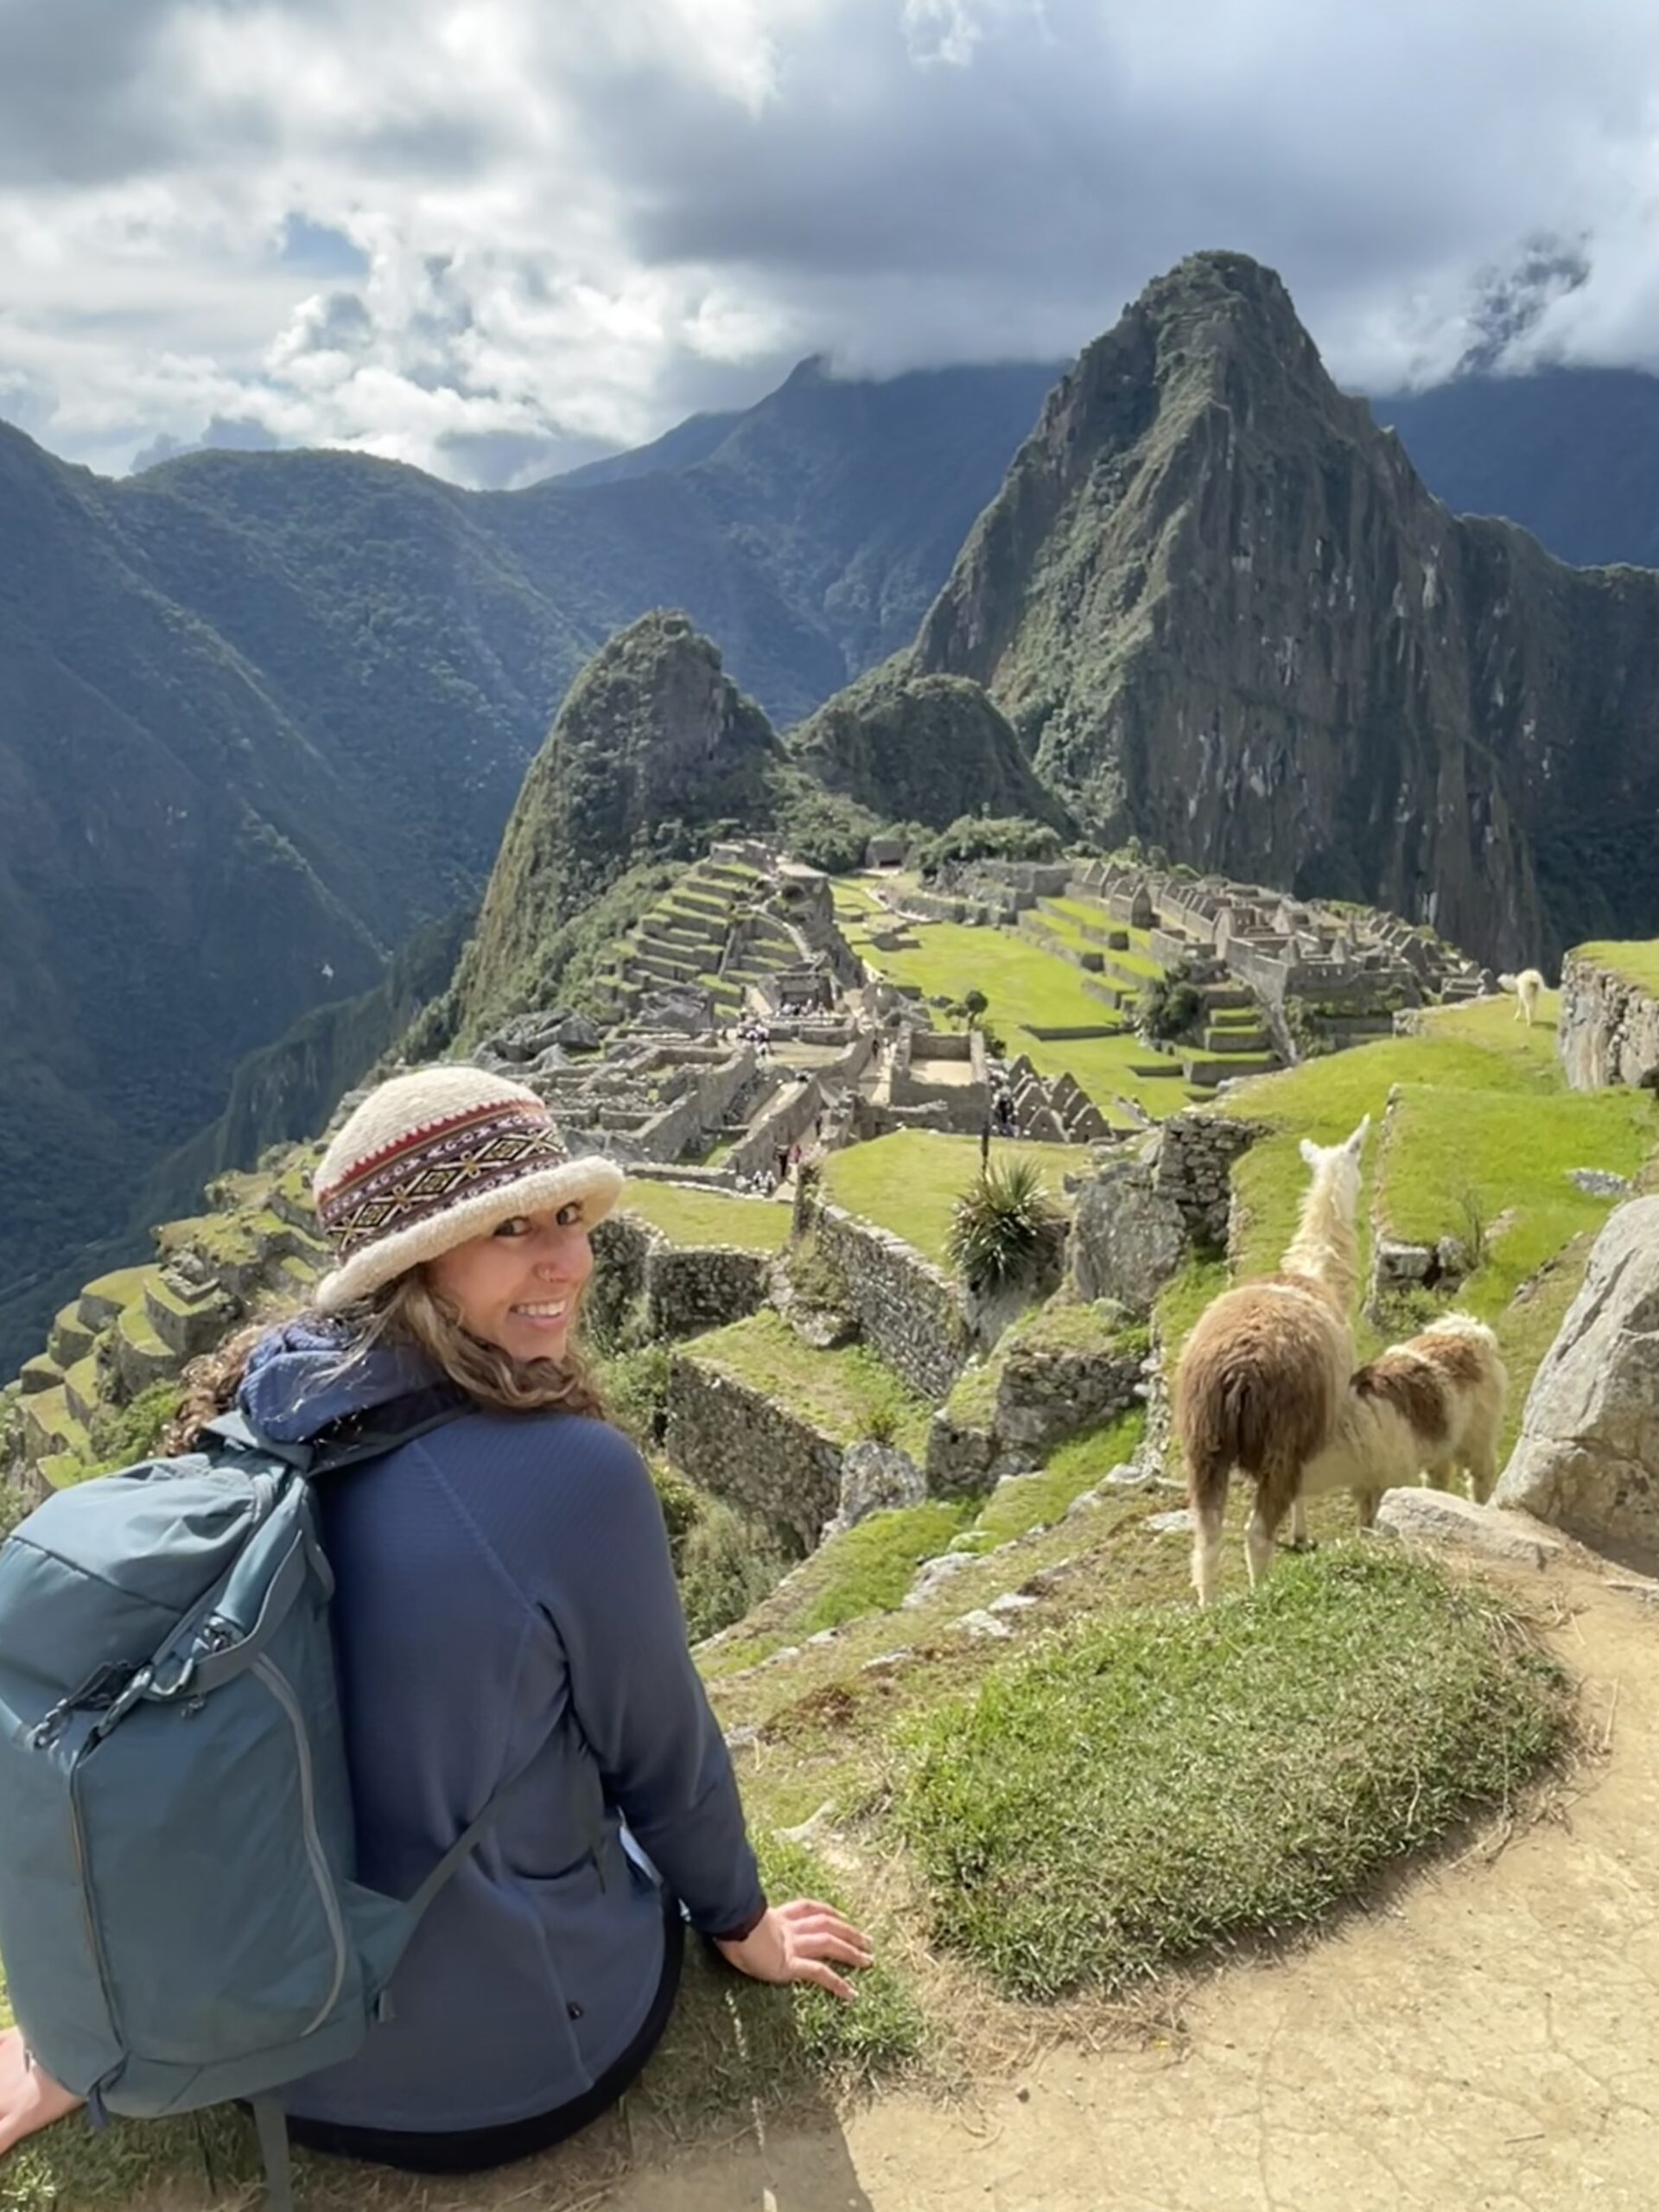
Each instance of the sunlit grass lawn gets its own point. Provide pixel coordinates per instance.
(910, 1182)
(693, 1216)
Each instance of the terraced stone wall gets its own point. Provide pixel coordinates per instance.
(909, 1310)
(745, 1447)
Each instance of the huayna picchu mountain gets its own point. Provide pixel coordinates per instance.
(1223, 612)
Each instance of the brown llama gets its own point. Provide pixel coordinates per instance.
(1262, 1376)
(1432, 1405)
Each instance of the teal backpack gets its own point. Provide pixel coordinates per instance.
(179, 1921)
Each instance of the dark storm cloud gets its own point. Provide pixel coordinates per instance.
(68, 70)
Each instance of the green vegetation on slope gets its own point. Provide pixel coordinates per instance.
(1168, 1780)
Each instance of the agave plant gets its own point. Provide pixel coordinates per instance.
(1006, 1229)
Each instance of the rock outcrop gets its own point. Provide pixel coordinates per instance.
(1222, 611)
(1587, 1459)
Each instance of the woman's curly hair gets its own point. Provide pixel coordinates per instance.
(406, 1312)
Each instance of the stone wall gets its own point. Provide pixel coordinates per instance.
(1046, 1392)
(691, 1288)
(682, 1289)
(910, 1311)
(1196, 1152)
(1608, 1028)
(705, 1097)
(791, 1113)
(743, 1447)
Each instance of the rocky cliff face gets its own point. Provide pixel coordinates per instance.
(1223, 612)
(653, 747)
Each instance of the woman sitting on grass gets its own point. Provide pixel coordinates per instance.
(505, 1600)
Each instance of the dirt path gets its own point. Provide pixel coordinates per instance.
(1489, 2044)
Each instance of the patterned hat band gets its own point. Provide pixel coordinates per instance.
(435, 1169)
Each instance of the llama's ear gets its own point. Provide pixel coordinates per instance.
(1310, 1152)
(1356, 1142)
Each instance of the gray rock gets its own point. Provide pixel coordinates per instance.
(1171, 1524)
(1126, 1475)
(1011, 1601)
(1126, 1239)
(819, 1326)
(1398, 1263)
(1588, 1455)
(1440, 1516)
(888, 1663)
(1600, 1182)
(874, 1476)
(1453, 1259)
(932, 1574)
(982, 1624)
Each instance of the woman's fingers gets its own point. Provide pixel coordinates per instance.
(814, 1970)
(806, 1913)
(828, 1946)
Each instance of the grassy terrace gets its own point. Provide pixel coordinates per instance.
(687, 1215)
(909, 1183)
(849, 1393)
(1485, 1132)
(1636, 959)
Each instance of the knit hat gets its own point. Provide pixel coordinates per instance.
(431, 1159)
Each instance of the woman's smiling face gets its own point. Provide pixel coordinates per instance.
(518, 1286)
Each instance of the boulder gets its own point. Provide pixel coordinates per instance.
(873, 1478)
(1441, 1517)
(1587, 1459)
(1128, 1239)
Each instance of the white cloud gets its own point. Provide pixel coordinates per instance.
(486, 235)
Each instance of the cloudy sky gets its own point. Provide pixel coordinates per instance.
(496, 236)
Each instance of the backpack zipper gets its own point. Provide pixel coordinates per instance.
(277, 1683)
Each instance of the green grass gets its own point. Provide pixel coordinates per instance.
(909, 1183)
(1037, 1501)
(868, 1569)
(1485, 1108)
(687, 1215)
(1026, 985)
(1169, 1782)
(1635, 958)
(847, 1394)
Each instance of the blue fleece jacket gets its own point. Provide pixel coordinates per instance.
(506, 1595)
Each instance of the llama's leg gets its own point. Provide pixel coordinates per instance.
(1276, 1496)
(1206, 1546)
(1483, 1466)
(1298, 1541)
(1365, 1504)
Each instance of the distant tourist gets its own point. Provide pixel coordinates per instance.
(505, 1613)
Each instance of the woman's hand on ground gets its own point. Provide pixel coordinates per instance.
(796, 1943)
(30, 2099)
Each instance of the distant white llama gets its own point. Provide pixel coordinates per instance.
(1528, 987)
(1433, 1405)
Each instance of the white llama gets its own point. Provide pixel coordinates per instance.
(1529, 989)
(1432, 1405)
